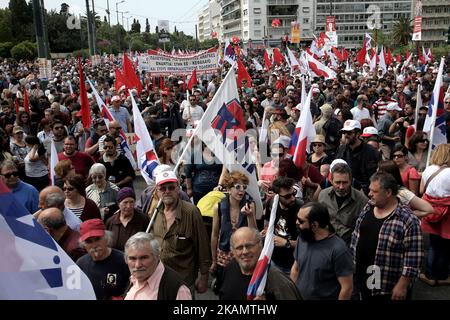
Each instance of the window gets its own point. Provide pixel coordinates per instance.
(257, 10)
(305, 10)
(257, 33)
(245, 23)
(305, 20)
(257, 22)
(245, 12)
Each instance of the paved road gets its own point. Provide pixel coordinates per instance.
(421, 291)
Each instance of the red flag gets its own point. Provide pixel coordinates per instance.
(277, 56)
(361, 56)
(26, 101)
(192, 80)
(85, 107)
(337, 54)
(267, 61)
(406, 54)
(161, 83)
(120, 81)
(345, 54)
(130, 75)
(389, 59)
(398, 58)
(276, 23)
(243, 74)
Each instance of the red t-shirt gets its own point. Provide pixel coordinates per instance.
(81, 161)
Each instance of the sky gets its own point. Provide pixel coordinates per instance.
(181, 13)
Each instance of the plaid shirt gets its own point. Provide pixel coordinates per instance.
(400, 247)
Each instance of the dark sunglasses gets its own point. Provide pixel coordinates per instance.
(9, 175)
(108, 147)
(68, 188)
(239, 186)
(316, 145)
(422, 140)
(277, 155)
(398, 156)
(166, 188)
(289, 195)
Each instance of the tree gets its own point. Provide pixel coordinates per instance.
(21, 20)
(25, 50)
(147, 26)
(402, 30)
(61, 39)
(5, 26)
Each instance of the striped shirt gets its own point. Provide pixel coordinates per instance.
(399, 250)
(379, 107)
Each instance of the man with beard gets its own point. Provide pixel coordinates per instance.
(343, 201)
(104, 266)
(285, 233)
(246, 246)
(362, 158)
(323, 267)
(387, 244)
(81, 161)
(179, 229)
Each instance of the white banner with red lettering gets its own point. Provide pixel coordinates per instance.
(158, 63)
(417, 33)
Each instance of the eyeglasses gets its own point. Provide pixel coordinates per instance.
(300, 221)
(239, 186)
(398, 156)
(247, 246)
(115, 127)
(447, 102)
(108, 147)
(289, 195)
(348, 132)
(68, 188)
(316, 145)
(167, 188)
(290, 102)
(9, 175)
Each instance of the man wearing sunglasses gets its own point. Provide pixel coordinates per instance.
(24, 192)
(285, 228)
(180, 231)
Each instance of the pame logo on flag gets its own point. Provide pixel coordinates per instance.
(229, 120)
(32, 265)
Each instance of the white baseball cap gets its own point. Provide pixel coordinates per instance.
(115, 98)
(335, 162)
(166, 176)
(351, 125)
(369, 131)
(393, 106)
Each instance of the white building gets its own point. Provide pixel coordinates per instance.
(209, 21)
(435, 22)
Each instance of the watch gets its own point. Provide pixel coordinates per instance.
(288, 244)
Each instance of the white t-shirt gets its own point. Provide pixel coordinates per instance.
(360, 114)
(405, 196)
(196, 113)
(438, 187)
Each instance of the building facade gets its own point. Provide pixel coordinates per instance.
(209, 21)
(435, 22)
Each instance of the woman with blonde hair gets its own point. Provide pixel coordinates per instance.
(436, 188)
(236, 210)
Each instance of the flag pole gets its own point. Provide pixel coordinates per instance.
(152, 221)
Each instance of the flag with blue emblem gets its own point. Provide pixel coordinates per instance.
(229, 54)
(145, 150)
(223, 129)
(32, 265)
(435, 123)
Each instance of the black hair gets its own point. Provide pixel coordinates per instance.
(386, 180)
(110, 138)
(319, 213)
(282, 182)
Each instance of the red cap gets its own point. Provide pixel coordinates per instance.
(92, 228)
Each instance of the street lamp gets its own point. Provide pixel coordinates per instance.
(128, 25)
(122, 18)
(117, 9)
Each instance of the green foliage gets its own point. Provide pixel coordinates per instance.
(5, 49)
(84, 54)
(209, 44)
(401, 32)
(61, 38)
(5, 26)
(25, 50)
(21, 20)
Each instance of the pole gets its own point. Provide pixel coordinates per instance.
(196, 38)
(94, 31)
(38, 27)
(108, 12)
(117, 12)
(122, 20)
(89, 25)
(45, 29)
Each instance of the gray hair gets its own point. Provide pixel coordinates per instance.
(256, 234)
(97, 168)
(108, 237)
(55, 222)
(8, 164)
(140, 239)
(55, 200)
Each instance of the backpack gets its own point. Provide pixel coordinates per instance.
(332, 130)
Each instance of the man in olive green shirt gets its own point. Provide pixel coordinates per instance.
(179, 229)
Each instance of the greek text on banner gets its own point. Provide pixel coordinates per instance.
(160, 64)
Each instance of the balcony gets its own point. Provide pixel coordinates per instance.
(223, 3)
(281, 2)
